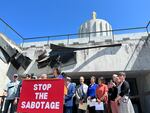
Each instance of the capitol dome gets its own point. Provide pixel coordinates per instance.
(95, 25)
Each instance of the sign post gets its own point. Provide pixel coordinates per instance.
(41, 96)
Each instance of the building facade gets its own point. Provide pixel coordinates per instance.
(96, 51)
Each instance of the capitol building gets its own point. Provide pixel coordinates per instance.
(97, 49)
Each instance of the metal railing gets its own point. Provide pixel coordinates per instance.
(10, 32)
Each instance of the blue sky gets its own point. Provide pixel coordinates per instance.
(51, 17)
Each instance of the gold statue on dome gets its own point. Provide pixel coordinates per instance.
(94, 15)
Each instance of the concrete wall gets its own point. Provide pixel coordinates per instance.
(3, 75)
(144, 90)
(33, 68)
(6, 69)
(6, 72)
(133, 55)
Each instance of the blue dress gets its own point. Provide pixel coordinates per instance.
(92, 91)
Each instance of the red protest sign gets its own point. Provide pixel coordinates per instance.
(41, 96)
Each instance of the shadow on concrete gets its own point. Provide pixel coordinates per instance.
(105, 51)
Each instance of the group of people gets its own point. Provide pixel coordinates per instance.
(11, 94)
(112, 97)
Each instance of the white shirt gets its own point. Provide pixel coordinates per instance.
(119, 88)
(12, 89)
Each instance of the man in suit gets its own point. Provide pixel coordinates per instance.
(81, 94)
(70, 95)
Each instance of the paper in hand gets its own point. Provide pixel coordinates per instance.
(99, 106)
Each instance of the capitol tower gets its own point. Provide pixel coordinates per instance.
(95, 27)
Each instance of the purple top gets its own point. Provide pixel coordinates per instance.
(60, 77)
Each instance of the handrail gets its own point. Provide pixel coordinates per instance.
(11, 28)
(52, 36)
(68, 36)
(147, 27)
(148, 24)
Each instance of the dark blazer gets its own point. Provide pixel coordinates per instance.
(69, 96)
(112, 93)
(18, 90)
(125, 89)
(81, 93)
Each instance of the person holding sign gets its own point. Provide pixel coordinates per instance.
(17, 96)
(43, 96)
(102, 96)
(11, 92)
(43, 76)
(57, 74)
(81, 96)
